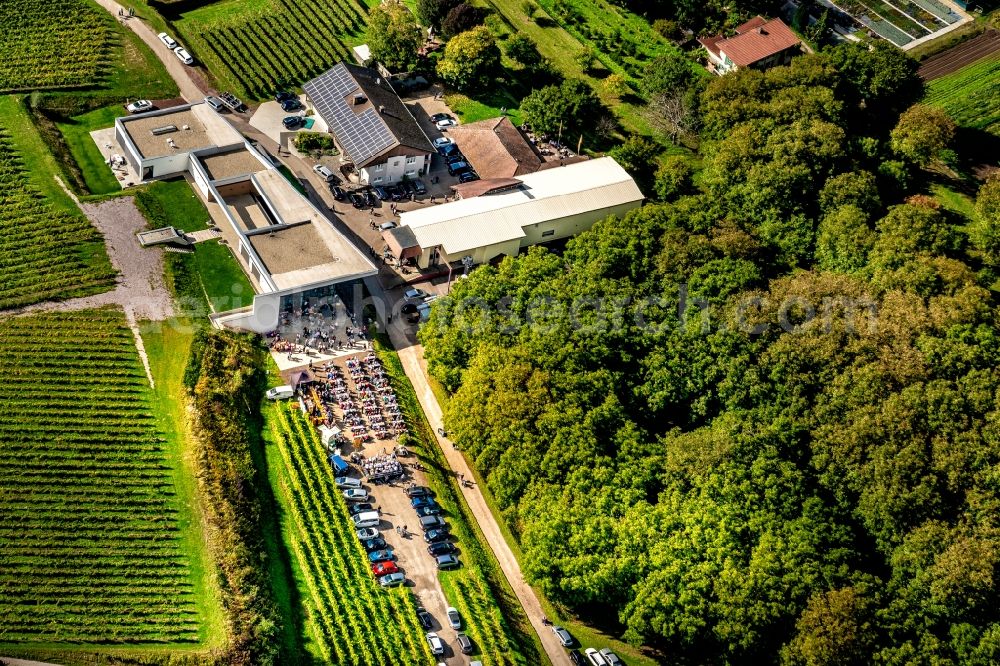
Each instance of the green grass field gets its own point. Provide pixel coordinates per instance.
(97, 175)
(172, 203)
(225, 284)
(253, 47)
(91, 545)
(970, 95)
(49, 250)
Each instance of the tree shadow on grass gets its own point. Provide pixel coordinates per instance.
(979, 153)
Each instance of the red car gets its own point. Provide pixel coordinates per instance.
(384, 568)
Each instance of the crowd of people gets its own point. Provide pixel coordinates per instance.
(363, 403)
(382, 468)
(319, 329)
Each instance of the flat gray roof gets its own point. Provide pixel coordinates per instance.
(198, 127)
(228, 165)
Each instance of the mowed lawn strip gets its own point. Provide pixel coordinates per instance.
(168, 345)
(97, 175)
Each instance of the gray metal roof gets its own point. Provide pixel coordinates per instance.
(581, 188)
(369, 128)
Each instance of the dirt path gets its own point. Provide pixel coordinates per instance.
(412, 357)
(140, 290)
(189, 80)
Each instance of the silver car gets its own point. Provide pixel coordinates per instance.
(355, 495)
(611, 657)
(564, 636)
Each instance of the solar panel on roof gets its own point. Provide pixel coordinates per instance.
(362, 135)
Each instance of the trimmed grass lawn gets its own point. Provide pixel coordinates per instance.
(167, 346)
(955, 201)
(98, 176)
(174, 203)
(293, 179)
(221, 277)
(472, 110)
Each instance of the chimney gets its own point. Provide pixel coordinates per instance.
(359, 99)
(381, 108)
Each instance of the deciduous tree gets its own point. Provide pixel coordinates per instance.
(922, 133)
(393, 36)
(471, 60)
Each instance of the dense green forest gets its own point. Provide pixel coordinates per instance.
(757, 422)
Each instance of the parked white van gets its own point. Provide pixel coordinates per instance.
(280, 393)
(366, 519)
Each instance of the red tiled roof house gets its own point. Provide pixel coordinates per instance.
(758, 43)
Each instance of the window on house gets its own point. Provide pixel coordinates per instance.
(550, 232)
(378, 179)
(411, 172)
(379, 167)
(411, 160)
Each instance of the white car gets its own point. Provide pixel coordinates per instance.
(611, 657)
(366, 533)
(443, 141)
(437, 645)
(324, 172)
(356, 495)
(454, 619)
(280, 393)
(414, 294)
(139, 106)
(594, 657)
(183, 55)
(446, 123)
(347, 482)
(170, 42)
